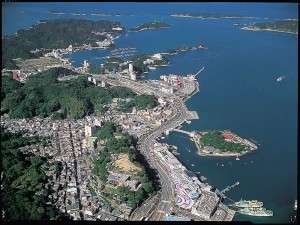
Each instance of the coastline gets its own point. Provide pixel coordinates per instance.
(210, 17)
(266, 29)
(148, 28)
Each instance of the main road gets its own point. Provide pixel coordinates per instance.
(146, 143)
(155, 209)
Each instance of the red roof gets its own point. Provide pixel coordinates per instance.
(228, 136)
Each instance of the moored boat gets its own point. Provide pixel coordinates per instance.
(256, 212)
(248, 204)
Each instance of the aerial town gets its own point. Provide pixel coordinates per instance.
(78, 191)
(72, 144)
(89, 135)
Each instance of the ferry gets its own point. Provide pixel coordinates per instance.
(280, 78)
(248, 204)
(256, 212)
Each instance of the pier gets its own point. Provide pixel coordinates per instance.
(228, 188)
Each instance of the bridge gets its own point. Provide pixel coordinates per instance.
(199, 71)
(191, 134)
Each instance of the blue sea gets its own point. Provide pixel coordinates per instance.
(238, 88)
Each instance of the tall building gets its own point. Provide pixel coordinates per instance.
(133, 110)
(132, 74)
(88, 131)
(130, 69)
(85, 65)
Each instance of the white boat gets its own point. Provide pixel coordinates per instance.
(237, 158)
(278, 79)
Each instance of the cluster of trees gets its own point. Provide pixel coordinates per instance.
(281, 25)
(24, 194)
(116, 143)
(216, 140)
(52, 34)
(138, 63)
(139, 101)
(43, 95)
(131, 198)
(140, 67)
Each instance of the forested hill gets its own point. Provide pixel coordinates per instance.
(282, 26)
(53, 34)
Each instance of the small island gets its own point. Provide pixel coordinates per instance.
(183, 49)
(150, 26)
(222, 143)
(209, 16)
(286, 26)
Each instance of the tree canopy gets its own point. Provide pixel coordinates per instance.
(43, 95)
(24, 194)
(216, 140)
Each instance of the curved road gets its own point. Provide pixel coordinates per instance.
(146, 143)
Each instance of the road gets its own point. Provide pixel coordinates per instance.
(155, 210)
(146, 142)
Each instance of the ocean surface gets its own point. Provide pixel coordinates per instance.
(238, 88)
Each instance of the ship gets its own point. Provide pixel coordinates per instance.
(280, 78)
(248, 204)
(256, 212)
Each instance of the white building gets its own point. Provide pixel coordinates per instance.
(103, 83)
(86, 65)
(130, 69)
(70, 48)
(117, 28)
(167, 90)
(157, 56)
(131, 72)
(148, 61)
(88, 131)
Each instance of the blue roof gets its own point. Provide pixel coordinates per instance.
(175, 218)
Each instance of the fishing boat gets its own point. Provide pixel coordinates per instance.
(279, 79)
